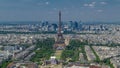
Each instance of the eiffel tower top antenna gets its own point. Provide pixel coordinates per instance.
(59, 26)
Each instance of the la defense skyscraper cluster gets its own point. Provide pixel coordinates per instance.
(60, 41)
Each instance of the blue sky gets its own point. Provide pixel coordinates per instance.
(38, 10)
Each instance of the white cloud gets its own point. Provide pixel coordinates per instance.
(99, 10)
(73, 6)
(47, 3)
(85, 5)
(39, 4)
(54, 8)
(93, 4)
(64, 8)
(103, 3)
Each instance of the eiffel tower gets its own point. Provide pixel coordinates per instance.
(60, 42)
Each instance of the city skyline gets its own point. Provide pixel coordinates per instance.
(40, 10)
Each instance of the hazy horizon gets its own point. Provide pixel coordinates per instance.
(50, 22)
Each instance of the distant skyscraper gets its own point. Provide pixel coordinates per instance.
(71, 23)
(75, 25)
(55, 26)
(80, 26)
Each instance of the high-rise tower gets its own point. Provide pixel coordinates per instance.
(60, 42)
(59, 28)
(59, 35)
